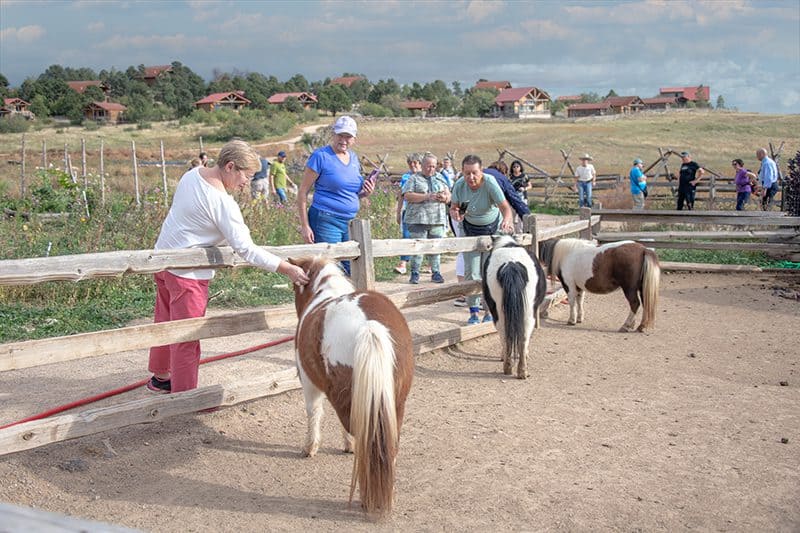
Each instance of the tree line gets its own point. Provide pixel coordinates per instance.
(173, 94)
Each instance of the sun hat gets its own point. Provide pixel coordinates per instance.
(587, 156)
(637, 161)
(345, 124)
(685, 154)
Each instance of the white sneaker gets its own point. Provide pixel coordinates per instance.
(400, 269)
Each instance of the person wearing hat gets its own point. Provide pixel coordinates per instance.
(690, 175)
(278, 177)
(585, 179)
(638, 184)
(334, 172)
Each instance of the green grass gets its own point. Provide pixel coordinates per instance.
(720, 257)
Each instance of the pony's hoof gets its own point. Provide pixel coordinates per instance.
(310, 451)
(571, 323)
(507, 371)
(625, 329)
(523, 375)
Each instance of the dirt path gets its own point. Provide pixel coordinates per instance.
(678, 429)
(292, 141)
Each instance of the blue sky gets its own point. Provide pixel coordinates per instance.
(748, 51)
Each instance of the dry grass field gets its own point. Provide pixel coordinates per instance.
(713, 137)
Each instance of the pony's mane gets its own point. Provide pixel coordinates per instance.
(562, 248)
(325, 275)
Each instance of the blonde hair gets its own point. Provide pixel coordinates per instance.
(241, 154)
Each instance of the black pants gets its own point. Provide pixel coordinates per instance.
(687, 196)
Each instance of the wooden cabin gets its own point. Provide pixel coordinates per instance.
(497, 85)
(109, 112)
(419, 108)
(659, 103)
(307, 100)
(233, 100)
(623, 105)
(589, 110)
(81, 86)
(151, 74)
(522, 102)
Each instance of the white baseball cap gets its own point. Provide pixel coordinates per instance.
(345, 124)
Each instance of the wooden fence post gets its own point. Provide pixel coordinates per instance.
(529, 226)
(66, 157)
(201, 144)
(44, 153)
(102, 174)
(362, 268)
(83, 162)
(586, 214)
(135, 174)
(164, 173)
(22, 169)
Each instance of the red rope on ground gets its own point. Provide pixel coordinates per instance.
(136, 385)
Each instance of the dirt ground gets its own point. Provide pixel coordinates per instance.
(695, 426)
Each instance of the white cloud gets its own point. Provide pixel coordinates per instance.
(174, 42)
(24, 34)
(790, 98)
(545, 30)
(478, 10)
(96, 26)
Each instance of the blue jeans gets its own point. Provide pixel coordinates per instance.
(426, 231)
(741, 199)
(281, 194)
(330, 228)
(584, 194)
(769, 196)
(404, 232)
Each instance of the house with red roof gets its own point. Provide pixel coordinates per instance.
(498, 85)
(15, 106)
(522, 102)
(81, 86)
(346, 81)
(151, 74)
(687, 94)
(569, 99)
(308, 100)
(659, 103)
(419, 107)
(233, 100)
(589, 110)
(110, 112)
(623, 105)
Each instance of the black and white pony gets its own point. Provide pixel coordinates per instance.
(583, 266)
(514, 286)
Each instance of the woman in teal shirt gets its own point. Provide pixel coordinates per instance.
(479, 203)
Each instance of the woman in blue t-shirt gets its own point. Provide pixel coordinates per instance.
(335, 174)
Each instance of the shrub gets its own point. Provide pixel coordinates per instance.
(14, 124)
(375, 110)
(792, 187)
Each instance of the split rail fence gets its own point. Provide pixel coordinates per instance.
(361, 250)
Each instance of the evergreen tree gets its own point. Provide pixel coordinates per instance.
(334, 99)
(720, 102)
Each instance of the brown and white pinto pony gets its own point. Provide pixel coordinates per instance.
(583, 266)
(355, 348)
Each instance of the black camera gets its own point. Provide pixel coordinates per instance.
(462, 208)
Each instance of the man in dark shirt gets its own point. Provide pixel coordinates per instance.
(690, 175)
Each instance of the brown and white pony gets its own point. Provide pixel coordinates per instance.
(355, 348)
(583, 266)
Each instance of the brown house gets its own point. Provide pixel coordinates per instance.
(15, 105)
(151, 74)
(659, 103)
(623, 105)
(589, 110)
(308, 100)
(569, 99)
(522, 102)
(347, 81)
(81, 86)
(110, 112)
(234, 100)
(691, 94)
(498, 85)
(419, 108)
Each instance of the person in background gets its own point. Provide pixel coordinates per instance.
(448, 172)
(259, 188)
(768, 175)
(690, 175)
(426, 194)
(414, 162)
(585, 179)
(743, 180)
(203, 159)
(499, 170)
(278, 178)
(638, 184)
(203, 214)
(194, 163)
(479, 204)
(334, 172)
(519, 180)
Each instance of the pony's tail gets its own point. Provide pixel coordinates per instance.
(513, 279)
(373, 418)
(651, 279)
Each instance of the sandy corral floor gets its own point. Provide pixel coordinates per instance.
(693, 426)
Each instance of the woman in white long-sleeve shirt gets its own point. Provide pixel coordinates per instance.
(203, 214)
